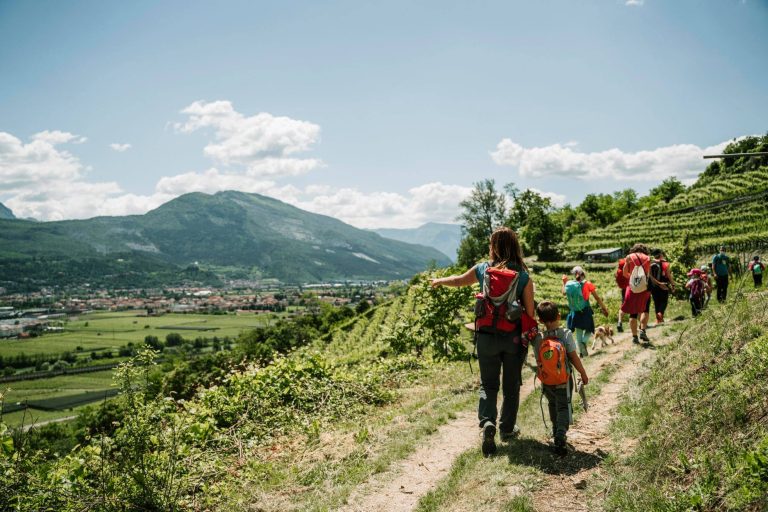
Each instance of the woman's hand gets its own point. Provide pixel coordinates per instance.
(435, 282)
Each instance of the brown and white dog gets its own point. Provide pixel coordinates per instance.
(602, 333)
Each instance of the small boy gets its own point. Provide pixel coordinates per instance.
(756, 267)
(698, 289)
(558, 396)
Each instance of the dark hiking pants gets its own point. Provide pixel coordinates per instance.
(660, 299)
(496, 352)
(722, 287)
(758, 280)
(559, 409)
(697, 304)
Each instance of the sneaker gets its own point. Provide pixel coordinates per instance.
(635, 340)
(619, 327)
(489, 443)
(643, 336)
(509, 436)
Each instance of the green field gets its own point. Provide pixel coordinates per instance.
(41, 389)
(112, 330)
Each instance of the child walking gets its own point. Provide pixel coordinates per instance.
(555, 352)
(697, 288)
(581, 319)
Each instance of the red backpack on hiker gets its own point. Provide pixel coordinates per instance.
(497, 308)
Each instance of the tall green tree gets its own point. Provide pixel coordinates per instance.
(483, 211)
(539, 229)
(667, 190)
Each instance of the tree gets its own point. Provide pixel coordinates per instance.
(667, 190)
(540, 231)
(483, 211)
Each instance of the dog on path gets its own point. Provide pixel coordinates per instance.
(602, 334)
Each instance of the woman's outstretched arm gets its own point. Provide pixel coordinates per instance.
(466, 279)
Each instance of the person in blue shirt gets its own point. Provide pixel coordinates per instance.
(499, 350)
(720, 267)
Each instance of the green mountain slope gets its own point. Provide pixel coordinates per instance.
(228, 229)
(443, 237)
(5, 212)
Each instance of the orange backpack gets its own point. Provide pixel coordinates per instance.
(553, 365)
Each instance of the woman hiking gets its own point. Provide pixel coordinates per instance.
(498, 349)
(637, 299)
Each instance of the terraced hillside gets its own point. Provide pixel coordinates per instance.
(730, 210)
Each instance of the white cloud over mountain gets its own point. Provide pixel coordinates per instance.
(42, 179)
(680, 160)
(263, 144)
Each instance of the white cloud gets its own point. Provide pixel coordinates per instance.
(634, 3)
(558, 200)
(58, 137)
(680, 160)
(262, 144)
(431, 202)
(120, 148)
(39, 161)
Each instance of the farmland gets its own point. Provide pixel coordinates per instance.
(112, 330)
(46, 389)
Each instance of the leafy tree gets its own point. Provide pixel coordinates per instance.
(483, 211)
(667, 190)
(540, 232)
(173, 339)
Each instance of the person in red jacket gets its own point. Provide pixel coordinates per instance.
(622, 282)
(637, 297)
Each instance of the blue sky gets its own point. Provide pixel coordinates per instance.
(382, 114)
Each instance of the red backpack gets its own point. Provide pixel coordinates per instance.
(497, 308)
(553, 366)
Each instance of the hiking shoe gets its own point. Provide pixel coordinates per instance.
(489, 443)
(643, 336)
(635, 340)
(560, 448)
(619, 327)
(509, 436)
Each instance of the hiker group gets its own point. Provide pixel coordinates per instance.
(507, 322)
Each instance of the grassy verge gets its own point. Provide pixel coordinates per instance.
(319, 472)
(701, 419)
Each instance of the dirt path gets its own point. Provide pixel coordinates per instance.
(591, 439)
(402, 486)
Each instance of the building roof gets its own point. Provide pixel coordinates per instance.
(598, 252)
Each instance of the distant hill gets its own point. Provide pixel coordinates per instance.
(257, 235)
(5, 212)
(443, 237)
(728, 205)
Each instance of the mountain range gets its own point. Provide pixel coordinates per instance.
(443, 237)
(248, 235)
(5, 212)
